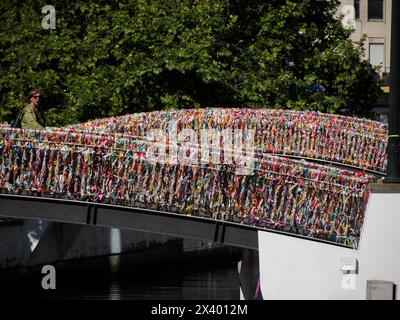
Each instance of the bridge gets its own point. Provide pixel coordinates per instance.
(108, 161)
(220, 175)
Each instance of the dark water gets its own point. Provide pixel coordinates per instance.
(219, 282)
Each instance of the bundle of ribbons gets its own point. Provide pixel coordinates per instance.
(107, 161)
(304, 134)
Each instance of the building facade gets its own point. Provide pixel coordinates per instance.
(373, 19)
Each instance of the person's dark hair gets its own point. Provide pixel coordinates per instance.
(33, 92)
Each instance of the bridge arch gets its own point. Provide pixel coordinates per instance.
(102, 162)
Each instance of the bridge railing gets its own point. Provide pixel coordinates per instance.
(284, 194)
(343, 140)
(347, 140)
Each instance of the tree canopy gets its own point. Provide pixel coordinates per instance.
(108, 58)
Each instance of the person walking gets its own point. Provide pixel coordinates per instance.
(30, 117)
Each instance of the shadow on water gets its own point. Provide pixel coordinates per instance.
(219, 281)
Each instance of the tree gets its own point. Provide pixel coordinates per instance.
(107, 58)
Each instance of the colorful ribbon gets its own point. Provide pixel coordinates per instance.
(107, 161)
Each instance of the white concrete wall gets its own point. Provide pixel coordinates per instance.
(292, 268)
(379, 249)
(300, 269)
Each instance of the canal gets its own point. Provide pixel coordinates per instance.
(217, 282)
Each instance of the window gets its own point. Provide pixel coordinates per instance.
(376, 54)
(357, 8)
(375, 9)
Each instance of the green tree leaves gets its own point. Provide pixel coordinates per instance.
(108, 58)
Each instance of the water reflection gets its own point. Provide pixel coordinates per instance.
(218, 282)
